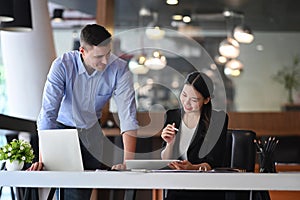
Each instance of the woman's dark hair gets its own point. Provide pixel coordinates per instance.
(94, 35)
(204, 85)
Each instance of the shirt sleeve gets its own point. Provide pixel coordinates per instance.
(52, 96)
(124, 96)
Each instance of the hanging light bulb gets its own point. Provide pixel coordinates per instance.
(243, 34)
(136, 65)
(229, 48)
(234, 64)
(155, 33)
(233, 67)
(156, 62)
(230, 72)
(220, 59)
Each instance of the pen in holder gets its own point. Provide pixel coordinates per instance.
(265, 151)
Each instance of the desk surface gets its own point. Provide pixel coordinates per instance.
(149, 180)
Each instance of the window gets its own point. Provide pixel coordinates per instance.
(3, 97)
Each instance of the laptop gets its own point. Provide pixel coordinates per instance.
(151, 164)
(60, 150)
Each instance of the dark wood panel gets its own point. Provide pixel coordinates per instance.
(266, 123)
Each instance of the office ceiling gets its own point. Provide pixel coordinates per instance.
(260, 15)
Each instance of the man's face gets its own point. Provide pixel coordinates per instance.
(95, 57)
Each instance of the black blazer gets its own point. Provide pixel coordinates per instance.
(206, 145)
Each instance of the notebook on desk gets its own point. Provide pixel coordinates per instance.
(147, 164)
(60, 150)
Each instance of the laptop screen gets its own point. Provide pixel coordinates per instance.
(60, 150)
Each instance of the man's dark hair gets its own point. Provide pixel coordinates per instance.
(94, 35)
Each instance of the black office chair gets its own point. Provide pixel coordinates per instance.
(241, 154)
(240, 150)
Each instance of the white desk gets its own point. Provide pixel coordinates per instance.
(141, 180)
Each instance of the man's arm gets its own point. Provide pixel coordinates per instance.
(52, 96)
(129, 142)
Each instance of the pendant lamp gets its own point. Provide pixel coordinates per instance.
(156, 62)
(243, 34)
(234, 64)
(229, 48)
(136, 65)
(58, 15)
(233, 67)
(6, 11)
(22, 17)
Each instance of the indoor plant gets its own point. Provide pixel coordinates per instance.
(289, 77)
(17, 152)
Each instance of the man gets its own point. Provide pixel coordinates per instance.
(78, 85)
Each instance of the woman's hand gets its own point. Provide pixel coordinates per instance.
(182, 165)
(37, 166)
(204, 167)
(186, 165)
(119, 167)
(168, 133)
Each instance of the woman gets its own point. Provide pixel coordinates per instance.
(195, 134)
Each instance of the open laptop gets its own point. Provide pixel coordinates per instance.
(60, 150)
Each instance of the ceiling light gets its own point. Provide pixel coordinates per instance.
(58, 15)
(22, 17)
(136, 65)
(234, 64)
(233, 67)
(231, 72)
(221, 59)
(177, 17)
(227, 13)
(186, 19)
(144, 12)
(172, 2)
(6, 11)
(259, 47)
(243, 34)
(155, 33)
(229, 48)
(156, 62)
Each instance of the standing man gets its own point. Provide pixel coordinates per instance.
(78, 85)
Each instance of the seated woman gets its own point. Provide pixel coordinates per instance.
(195, 134)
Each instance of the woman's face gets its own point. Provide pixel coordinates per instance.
(191, 99)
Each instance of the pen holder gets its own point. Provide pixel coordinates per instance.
(265, 151)
(266, 163)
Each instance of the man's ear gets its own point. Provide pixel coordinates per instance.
(81, 49)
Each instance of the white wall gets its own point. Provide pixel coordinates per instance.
(255, 89)
(63, 40)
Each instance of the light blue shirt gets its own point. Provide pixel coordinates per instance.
(74, 98)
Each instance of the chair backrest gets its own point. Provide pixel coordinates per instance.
(240, 150)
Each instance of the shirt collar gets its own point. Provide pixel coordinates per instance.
(81, 68)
